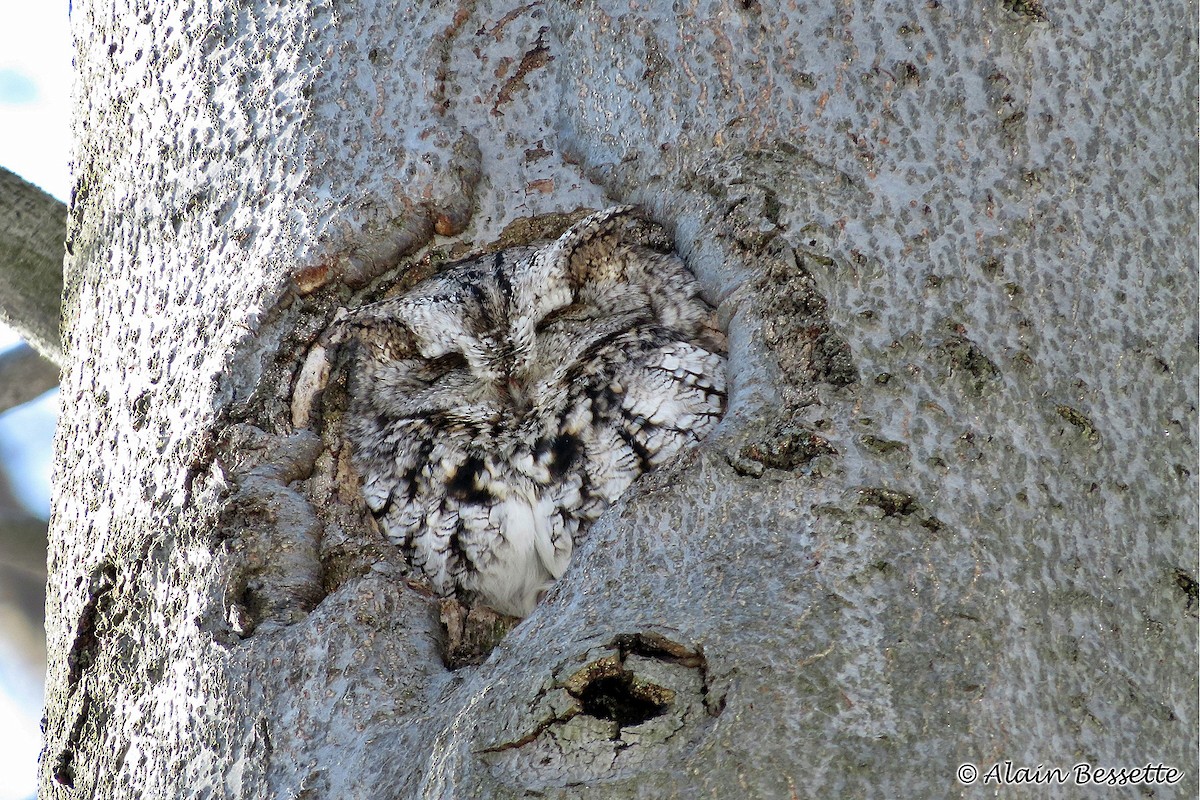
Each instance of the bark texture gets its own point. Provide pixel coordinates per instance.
(32, 228)
(950, 514)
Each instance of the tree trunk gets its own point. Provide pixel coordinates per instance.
(949, 517)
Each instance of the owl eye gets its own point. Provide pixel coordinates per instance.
(576, 312)
(434, 368)
(447, 362)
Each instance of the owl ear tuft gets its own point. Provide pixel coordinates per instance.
(584, 251)
(377, 330)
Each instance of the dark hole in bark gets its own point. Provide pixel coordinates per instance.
(616, 698)
(64, 772)
(1189, 586)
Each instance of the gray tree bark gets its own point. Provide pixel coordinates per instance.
(25, 374)
(32, 228)
(950, 514)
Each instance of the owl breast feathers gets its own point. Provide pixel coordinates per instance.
(498, 408)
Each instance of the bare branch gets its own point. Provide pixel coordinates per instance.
(24, 374)
(32, 230)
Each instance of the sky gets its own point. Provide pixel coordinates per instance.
(35, 87)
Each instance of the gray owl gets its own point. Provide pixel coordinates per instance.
(499, 407)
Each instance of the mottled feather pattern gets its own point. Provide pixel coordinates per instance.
(499, 407)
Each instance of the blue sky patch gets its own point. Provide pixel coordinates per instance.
(17, 88)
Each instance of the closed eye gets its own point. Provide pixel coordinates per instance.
(435, 368)
(576, 312)
(448, 361)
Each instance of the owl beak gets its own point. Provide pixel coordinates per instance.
(517, 394)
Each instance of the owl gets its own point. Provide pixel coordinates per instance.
(499, 407)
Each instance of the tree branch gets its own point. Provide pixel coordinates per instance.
(32, 230)
(23, 376)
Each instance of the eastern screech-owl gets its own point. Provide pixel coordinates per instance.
(499, 407)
